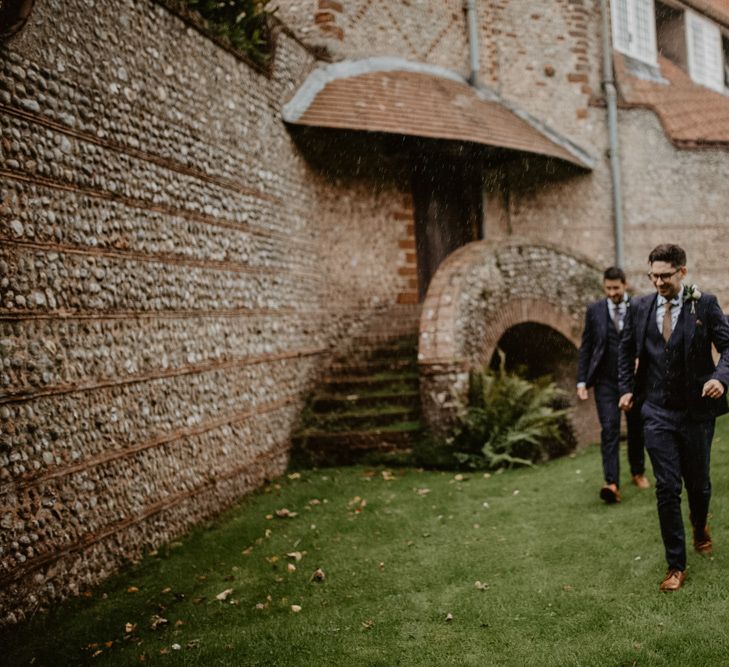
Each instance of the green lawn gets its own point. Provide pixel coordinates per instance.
(564, 579)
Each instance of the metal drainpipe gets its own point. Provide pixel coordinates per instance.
(472, 40)
(611, 96)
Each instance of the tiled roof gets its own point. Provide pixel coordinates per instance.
(716, 9)
(692, 115)
(398, 97)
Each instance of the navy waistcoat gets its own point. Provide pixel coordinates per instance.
(666, 372)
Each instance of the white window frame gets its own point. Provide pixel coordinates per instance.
(650, 56)
(712, 32)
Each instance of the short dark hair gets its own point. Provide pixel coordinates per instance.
(614, 273)
(668, 252)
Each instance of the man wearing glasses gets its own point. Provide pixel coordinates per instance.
(598, 368)
(670, 333)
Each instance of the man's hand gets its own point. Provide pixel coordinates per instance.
(713, 389)
(626, 402)
(582, 393)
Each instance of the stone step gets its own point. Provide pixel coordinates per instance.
(348, 446)
(364, 419)
(345, 402)
(374, 366)
(365, 350)
(369, 383)
(387, 338)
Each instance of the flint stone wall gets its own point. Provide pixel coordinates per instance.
(478, 293)
(165, 302)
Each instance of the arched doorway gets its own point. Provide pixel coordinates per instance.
(536, 350)
(483, 297)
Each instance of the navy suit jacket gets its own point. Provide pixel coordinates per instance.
(707, 324)
(594, 341)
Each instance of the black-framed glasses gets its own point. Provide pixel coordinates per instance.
(665, 277)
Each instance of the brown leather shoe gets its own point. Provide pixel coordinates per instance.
(673, 580)
(641, 481)
(610, 494)
(702, 541)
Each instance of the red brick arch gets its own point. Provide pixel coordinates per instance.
(521, 311)
(478, 294)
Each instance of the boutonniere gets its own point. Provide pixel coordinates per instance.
(693, 294)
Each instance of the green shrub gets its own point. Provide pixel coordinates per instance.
(508, 421)
(243, 23)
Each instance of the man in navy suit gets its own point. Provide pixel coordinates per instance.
(598, 367)
(682, 391)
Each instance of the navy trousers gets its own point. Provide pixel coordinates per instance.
(606, 400)
(680, 449)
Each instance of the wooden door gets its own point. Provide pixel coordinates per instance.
(448, 210)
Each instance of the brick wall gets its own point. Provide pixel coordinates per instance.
(165, 285)
(175, 269)
(546, 57)
(674, 194)
(433, 32)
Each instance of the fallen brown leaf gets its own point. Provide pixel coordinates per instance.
(157, 622)
(318, 575)
(285, 513)
(132, 589)
(224, 595)
(295, 608)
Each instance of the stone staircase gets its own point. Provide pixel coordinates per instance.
(367, 408)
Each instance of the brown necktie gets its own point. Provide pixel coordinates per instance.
(616, 318)
(667, 321)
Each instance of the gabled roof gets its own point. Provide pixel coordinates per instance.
(691, 114)
(397, 96)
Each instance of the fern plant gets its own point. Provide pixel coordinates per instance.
(511, 421)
